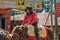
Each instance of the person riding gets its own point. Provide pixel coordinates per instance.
(31, 18)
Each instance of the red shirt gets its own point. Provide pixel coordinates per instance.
(29, 18)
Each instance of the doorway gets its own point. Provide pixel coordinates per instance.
(3, 21)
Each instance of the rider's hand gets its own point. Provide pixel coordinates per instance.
(21, 26)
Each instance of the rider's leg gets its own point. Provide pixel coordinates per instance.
(36, 31)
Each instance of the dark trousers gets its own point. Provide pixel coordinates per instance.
(36, 31)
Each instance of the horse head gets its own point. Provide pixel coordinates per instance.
(4, 35)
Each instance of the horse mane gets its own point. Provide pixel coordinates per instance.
(20, 31)
(15, 36)
(14, 29)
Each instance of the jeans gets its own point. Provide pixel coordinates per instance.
(36, 31)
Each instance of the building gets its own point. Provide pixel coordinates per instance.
(5, 7)
(4, 19)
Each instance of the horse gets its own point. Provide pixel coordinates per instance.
(44, 33)
(27, 33)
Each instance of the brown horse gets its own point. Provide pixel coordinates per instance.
(22, 32)
(44, 33)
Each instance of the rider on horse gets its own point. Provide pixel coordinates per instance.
(31, 18)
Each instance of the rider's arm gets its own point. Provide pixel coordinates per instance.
(24, 21)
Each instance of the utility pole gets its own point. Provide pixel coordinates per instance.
(51, 13)
(56, 24)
